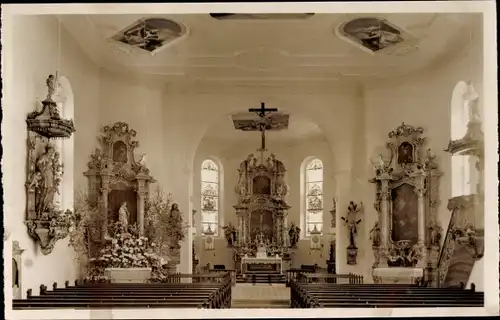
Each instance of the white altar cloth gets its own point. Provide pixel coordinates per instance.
(397, 275)
(258, 260)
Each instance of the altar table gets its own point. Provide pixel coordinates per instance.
(268, 265)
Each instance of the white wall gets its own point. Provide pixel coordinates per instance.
(423, 101)
(141, 106)
(32, 57)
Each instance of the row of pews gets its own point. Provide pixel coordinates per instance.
(319, 292)
(182, 291)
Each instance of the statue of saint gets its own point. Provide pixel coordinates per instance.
(375, 235)
(123, 215)
(45, 167)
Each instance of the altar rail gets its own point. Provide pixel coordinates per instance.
(219, 276)
(232, 274)
(292, 273)
(350, 278)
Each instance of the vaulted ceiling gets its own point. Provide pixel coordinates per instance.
(271, 50)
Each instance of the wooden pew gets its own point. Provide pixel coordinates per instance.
(205, 291)
(312, 294)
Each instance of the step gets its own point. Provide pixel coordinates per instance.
(257, 304)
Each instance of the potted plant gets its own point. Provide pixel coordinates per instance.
(165, 227)
(83, 227)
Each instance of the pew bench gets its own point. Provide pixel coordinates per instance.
(208, 294)
(328, 295)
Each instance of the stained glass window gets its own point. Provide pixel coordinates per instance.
(209, 196)
(314, 196)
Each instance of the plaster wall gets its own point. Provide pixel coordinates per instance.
(33, 55)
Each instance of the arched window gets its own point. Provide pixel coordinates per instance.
(313, 195)
(462, 166)
(210, 190)
(65, 102)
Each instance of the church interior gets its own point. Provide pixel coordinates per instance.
(204, 160)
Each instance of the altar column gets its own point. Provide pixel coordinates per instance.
(421, 191)
(104, 192)
(140, 211)
(384, 211)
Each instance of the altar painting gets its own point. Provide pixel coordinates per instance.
(262, 185)
(262, 221)
(404, 213)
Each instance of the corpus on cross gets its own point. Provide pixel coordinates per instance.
(261, 112)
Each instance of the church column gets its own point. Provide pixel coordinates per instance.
(420, 190)
(104, 191)
(140, 210)
(384, 212)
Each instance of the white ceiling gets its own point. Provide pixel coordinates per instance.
(267, 54)
(274, 51)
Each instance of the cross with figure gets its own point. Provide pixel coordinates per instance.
(262, 112)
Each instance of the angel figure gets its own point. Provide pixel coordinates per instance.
(142, 160)
(375, 235)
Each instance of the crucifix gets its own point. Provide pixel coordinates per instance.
(261, 112)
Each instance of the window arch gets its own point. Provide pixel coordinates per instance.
(65, 101)
(210, 196)
(312, 195)
(462, 167)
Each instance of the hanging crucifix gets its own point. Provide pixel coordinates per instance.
(262, 112)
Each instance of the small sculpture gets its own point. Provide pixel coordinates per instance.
(434, 234)
(230, 234)
(142, 160)
(123, 215)
(351, 222)
(51, 86)
(294, 233)
(375, 235)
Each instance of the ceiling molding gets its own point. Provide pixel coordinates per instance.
(265, 87)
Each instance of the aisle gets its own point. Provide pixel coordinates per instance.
(246, 295)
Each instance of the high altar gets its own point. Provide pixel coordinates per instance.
(261, 241)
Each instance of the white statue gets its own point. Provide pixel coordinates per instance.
(123, 215)
(142, 160)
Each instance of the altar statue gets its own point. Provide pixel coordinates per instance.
(123, 215)
(46, 167)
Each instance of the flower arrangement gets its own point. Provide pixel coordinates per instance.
(403, 254)
(127, 250)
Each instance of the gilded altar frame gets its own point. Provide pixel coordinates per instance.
(408, 164)
(114, 167)
(272, 200)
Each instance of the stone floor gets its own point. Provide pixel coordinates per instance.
(247, 295)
